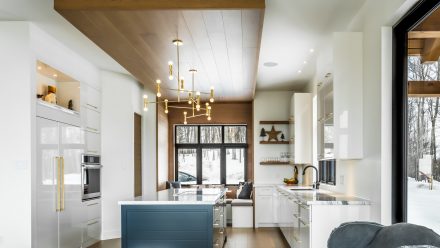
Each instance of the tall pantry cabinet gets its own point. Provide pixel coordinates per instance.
(59, 146)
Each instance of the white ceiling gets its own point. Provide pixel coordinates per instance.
(41, 13)
(290, 29)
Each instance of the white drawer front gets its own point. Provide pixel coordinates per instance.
(93, 210)
(92, 99)
(93, 121)
(93, 143)
(93, 230)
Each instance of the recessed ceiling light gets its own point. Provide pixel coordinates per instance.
(305, 62)
(55, 75)
(299, 71)
(312, 50)
(270, 64)
(39, 67)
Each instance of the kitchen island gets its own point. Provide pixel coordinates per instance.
(175, 218)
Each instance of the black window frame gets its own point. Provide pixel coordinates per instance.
(421, 10)
(222, 146)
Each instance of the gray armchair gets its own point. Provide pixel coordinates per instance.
(373, 235)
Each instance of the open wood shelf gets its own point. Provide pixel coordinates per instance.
(274, 122)
(275, 142)
(274, 163)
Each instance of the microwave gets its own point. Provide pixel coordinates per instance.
(91, 177)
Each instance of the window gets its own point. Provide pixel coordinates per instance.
(327, 171)
(210, 154)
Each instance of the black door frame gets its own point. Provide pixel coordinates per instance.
(399, 101)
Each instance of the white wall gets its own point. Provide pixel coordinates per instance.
(363, 177)
(121, 98)
(270, 106)
(16, 100)
(149, 147)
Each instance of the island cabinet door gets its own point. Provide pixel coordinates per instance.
(172, 226)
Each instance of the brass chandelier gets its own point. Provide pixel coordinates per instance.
(196, 107)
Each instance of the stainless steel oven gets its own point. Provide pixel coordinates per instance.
(91, 177)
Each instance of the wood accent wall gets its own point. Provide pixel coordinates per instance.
(222, 113)
(137, 155)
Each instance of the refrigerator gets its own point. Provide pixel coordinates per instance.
(59, 210)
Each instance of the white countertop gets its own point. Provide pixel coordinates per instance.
(309, 196)
(191, 196)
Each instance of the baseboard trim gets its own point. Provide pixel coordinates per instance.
(112, 234)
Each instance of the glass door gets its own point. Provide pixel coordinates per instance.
(423, 124)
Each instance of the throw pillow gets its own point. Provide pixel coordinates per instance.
(246, 191)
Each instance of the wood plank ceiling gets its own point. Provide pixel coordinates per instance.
(424, 40)
(221, 40)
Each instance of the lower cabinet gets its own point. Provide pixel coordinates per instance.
(266, 207)
(309, 226)
(92, 227)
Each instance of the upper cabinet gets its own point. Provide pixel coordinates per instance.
(301, 128)
(92, 98)
(347, 95)
(325, 119)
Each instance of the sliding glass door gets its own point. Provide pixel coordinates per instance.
(416, 117)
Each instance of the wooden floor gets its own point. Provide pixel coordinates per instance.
(237, 238)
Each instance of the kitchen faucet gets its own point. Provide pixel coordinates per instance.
(316, 184)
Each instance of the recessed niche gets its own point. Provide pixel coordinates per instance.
(56, 87)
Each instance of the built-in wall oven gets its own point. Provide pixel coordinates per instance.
(91, 177)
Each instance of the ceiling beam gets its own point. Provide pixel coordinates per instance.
(156, 4)
(424, 88)
(431, 51)
(423, 34)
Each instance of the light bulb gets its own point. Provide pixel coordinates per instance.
(211, 99)
(190, 102)
(166, 111)
(170, 77)
(198, 107)
(209, 118)
(158, 94)
(198, 93)
(185, 122)
(170, 62)
(145, 96)
(145, 109)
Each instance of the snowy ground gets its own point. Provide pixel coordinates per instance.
(424, 204)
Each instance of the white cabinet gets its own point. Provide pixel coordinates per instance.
(265, 207)
(91, 98)
(92, 225)
(93, 142)
(309, 226)
(91, 120)
(301, 147)
(59, 211)
(347, 92)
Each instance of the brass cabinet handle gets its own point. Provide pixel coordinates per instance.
(92, 204)
(58, 209)
(62, 185)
